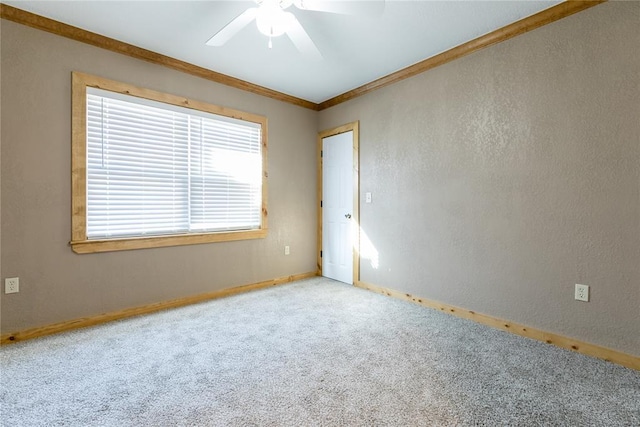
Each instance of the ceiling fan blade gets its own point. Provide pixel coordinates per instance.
(369, 7)
(301, 39)
(233, 27)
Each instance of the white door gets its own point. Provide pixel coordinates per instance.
(337, 207)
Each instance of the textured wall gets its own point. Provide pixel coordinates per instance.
(502, 179)
(57, 284)
(499, 181)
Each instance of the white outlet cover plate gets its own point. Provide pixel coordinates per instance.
(582, 292)
(11, 285)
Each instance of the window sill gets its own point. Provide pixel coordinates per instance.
(94, 246)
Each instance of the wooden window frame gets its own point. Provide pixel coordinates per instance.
(79, 242)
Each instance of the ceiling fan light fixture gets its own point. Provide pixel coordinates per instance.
(271, 20)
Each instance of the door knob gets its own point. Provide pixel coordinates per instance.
(348, 216)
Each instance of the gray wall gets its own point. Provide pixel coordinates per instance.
(502, 179)
(57, 284)
(499, 181)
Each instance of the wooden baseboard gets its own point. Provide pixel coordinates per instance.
(593, 350)
(145, 309)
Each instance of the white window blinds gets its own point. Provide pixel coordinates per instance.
(157, 169)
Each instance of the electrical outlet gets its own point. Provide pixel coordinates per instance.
(367, 197)
(582, 293)
(287, 250)
(11, 285)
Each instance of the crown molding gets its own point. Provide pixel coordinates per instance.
(522, 26)
(547, 16)
(49, 25)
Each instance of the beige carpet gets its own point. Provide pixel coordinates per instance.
(315, 352)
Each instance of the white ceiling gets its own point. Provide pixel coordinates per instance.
(356, 49)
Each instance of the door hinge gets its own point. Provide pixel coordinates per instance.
(320, 254)
(320, 203)
(321, 153)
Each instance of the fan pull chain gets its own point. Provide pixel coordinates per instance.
(270, 36)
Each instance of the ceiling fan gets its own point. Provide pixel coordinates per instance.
(273, 21)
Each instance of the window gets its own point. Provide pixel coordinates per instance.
(152, 169)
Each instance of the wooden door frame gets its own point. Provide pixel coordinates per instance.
(355, 128)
